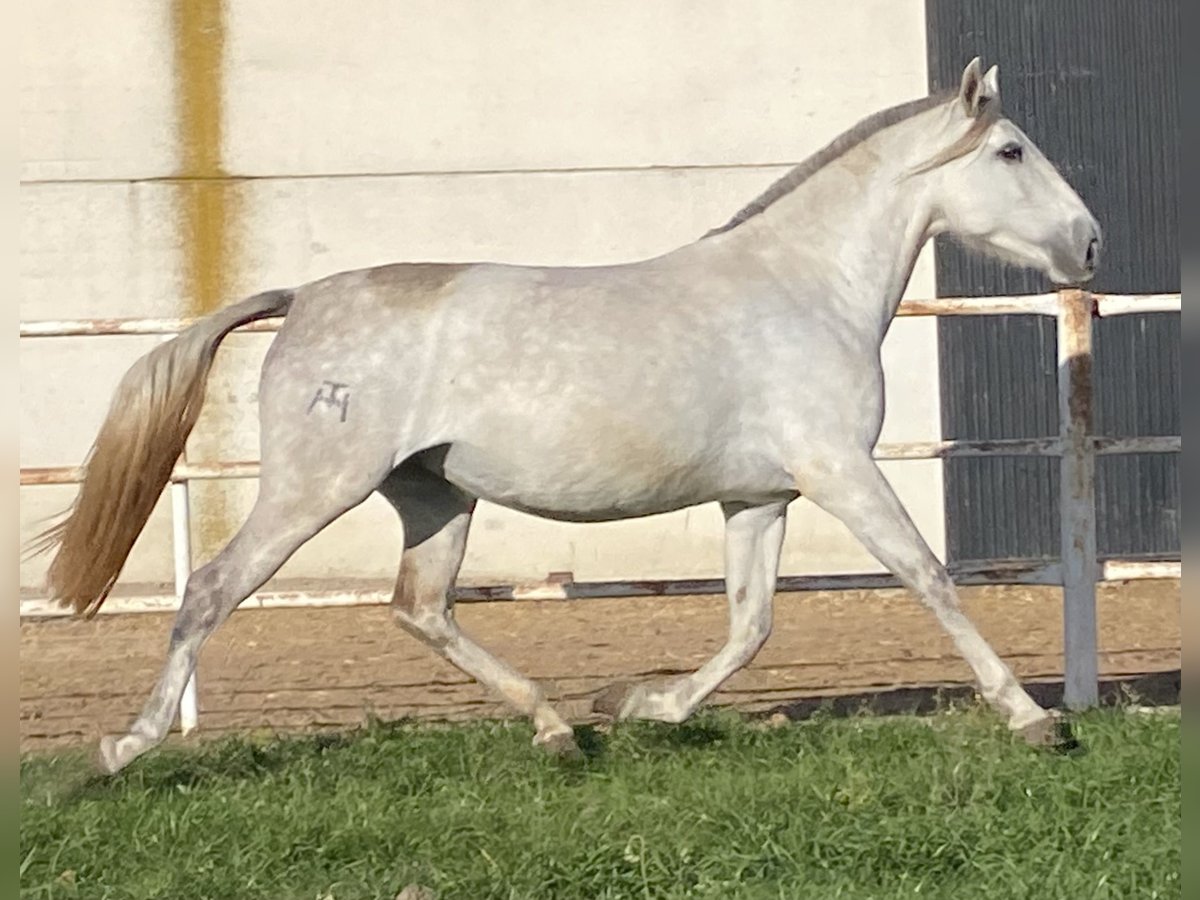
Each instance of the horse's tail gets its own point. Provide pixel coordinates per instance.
(148, 423)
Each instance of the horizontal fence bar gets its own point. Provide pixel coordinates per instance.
(96, 327)
(1125, 304)
(1050, 446)
(1140, 569)
(189, 471)
(1026, 304)
(1106, 446)
(1013, 572)
(1023, 304)
(1035, 304)
(193, 471)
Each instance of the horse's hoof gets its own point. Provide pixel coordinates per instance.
(561, 744)
(1052, 732)
(611, 701)
(109, 761)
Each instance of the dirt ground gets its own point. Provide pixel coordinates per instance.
(333, 668)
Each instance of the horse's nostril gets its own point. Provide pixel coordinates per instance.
(1092, 246)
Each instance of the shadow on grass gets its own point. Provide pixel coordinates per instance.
(595, 743)
(176, 768)
(684, 736)
(592, 743)
(1151, 689)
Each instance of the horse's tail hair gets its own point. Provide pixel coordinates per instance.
(152, 413)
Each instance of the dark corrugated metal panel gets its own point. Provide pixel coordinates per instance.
(1095, 86)
(1137, 392)
(998, 381)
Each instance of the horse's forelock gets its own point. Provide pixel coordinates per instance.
(970, 140)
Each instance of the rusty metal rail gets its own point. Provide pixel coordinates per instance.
(190, 471)
(1078, 571)
(1037, 304)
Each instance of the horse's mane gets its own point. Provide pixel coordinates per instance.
(847, 141)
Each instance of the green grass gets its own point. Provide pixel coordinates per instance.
(948, 807)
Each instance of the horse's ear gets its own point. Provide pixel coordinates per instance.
(971, 91)
(991, 87)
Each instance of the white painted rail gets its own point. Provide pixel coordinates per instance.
(1077, 572)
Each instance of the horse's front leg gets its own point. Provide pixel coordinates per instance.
(753, 540)
(850, 486)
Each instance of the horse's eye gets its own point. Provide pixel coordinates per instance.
(1011, 152)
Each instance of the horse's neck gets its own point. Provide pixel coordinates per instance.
(850, 234)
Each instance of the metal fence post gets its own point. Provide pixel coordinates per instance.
(1077, 499)
(181, 522)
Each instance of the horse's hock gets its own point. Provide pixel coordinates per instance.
(303, 669)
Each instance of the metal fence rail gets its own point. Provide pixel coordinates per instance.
(1077, 572)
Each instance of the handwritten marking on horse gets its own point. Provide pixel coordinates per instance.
(332, 395)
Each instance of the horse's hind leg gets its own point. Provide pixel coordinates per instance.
(437, 517)
(279, 523)
(753, 540)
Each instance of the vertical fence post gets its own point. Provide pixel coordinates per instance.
(1077, 488)
(181, 521)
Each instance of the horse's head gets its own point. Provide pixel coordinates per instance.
(994, 190)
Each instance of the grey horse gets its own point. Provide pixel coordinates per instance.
(743, 368)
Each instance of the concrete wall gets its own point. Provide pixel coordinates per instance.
(177, 156)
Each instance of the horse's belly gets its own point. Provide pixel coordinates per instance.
(560, 487)
(596, 487)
